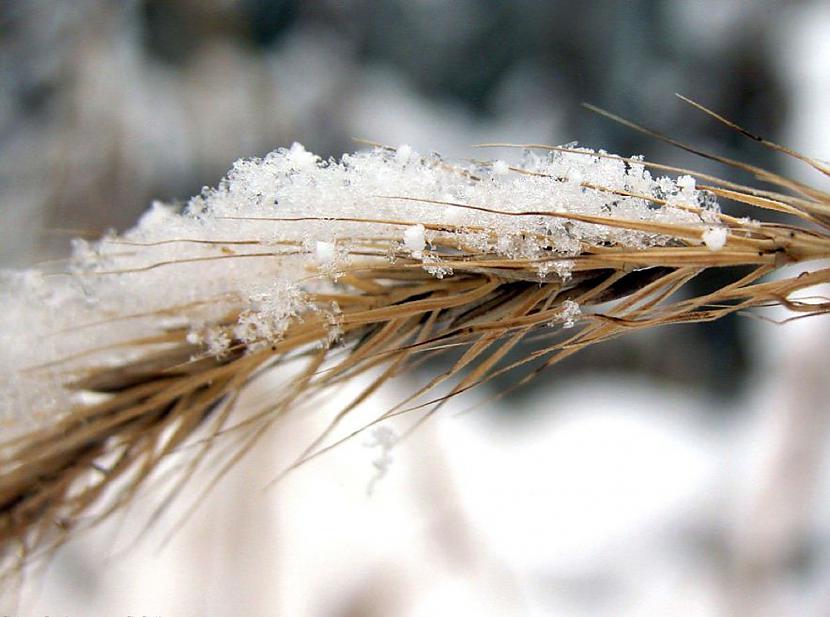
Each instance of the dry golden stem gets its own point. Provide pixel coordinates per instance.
(94, 458)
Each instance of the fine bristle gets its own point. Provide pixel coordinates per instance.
(377, 260)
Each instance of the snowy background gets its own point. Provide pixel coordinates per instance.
(683, 471)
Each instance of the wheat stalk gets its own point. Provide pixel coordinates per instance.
(158, 332)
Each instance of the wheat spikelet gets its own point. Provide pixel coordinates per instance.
(158, 332)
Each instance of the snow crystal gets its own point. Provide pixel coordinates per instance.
(715, 238)
(436, 267)
(301, 159)
(324, 253)
(270, 312)
(403, 154)
(334, 323)
(569, 313)
(414, 240)
(686, 183)
(501, 168)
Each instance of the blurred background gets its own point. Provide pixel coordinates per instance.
(682, 471)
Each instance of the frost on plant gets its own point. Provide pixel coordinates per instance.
(279, 228)
(413, 238)
(569, 313)
(715, 238)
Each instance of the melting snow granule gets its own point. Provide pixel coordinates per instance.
(715, 238)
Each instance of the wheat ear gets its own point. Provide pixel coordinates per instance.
(143, 344)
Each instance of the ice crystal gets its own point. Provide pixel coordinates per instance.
(501, 168)
(715, 238)
(324, 252)
(569, 313)
(414, 239)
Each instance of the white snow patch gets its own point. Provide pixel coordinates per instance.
(324, 253)
(715, 238)
(414, 239)
(501, 168)
(403, 154)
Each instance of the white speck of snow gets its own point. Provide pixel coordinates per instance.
(414, 239)
(324, 253)
(714, 238)
(436, 267)
(403, 154)
(217, 341)
(686, 183)
(501, 168)
(301, 159)
(569, 313)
